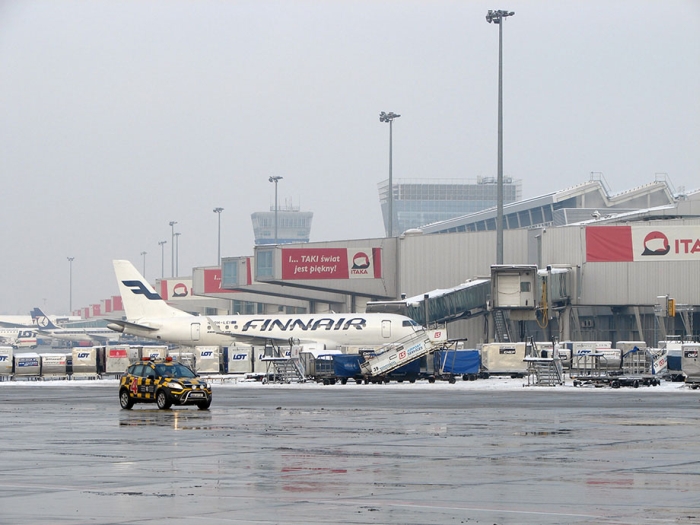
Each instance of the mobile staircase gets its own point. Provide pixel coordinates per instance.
(399, 353)
(280, 368)
(543, 370)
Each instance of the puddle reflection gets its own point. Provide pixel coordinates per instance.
(184, 419)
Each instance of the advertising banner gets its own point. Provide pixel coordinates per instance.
(175, 289)
(212, 281)
(331, 263)
(642, 243)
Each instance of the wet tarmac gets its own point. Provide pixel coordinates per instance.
(351, 454)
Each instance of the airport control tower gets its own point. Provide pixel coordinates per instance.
(293, 225)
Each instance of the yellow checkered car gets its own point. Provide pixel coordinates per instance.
(165, 383)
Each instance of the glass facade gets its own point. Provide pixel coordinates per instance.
(264, 264)
(418, 202)
(292, 226)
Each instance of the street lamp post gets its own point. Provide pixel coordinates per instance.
(162, 258)
(172, 248)
(177, 253)
(143, 254)
(497, 17)
(275, 180)
(218, 211)
(389, 117)
(70, 285)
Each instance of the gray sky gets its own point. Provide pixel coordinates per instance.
(119, 117)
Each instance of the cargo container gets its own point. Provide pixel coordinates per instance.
(503, 359)
(690, 363)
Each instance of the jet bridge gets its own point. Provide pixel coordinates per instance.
(440, 306)
(399, 353)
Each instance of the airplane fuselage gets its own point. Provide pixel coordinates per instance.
(330, 330)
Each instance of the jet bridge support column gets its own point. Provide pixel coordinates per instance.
(565, 323)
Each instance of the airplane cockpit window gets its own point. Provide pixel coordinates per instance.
(410, 323)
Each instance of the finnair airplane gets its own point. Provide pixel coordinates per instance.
(149, 316)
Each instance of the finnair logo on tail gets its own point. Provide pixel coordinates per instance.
(138, 287)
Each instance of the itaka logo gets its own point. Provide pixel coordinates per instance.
(180, 290)
(360, 261)
(656, 243)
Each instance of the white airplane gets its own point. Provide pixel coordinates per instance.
(19, 336)
(23, 335)
(149, 316)
(44, 326)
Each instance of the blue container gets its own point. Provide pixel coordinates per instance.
(347, 365)
(457, 362)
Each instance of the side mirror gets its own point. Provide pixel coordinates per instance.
(151, 376)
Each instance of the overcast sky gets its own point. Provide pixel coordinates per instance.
(119, 117)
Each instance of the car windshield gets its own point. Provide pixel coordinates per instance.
(174, 370)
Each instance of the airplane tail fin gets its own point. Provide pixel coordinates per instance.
(40, 319)
(139, 298)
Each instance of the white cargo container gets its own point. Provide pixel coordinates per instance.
(546, 349)
(504, 359)
(117, 359)
(611, 358)
(27, 365)
(85, 361)
(54, 365)
(6, 361)
(353, 350)
(626, 346)
(240, 360)
(206, 359)
(184, 357)
(154, 352)
(575, 346)
(690, 363)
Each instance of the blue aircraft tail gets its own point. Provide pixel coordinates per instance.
(40, 319)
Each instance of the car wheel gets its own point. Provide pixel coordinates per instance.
(124, 400)
(204, 405)
(162, 400)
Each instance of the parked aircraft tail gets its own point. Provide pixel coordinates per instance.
(139, 298)
(40, 319)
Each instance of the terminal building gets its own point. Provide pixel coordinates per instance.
(580, 263)
(617, 258)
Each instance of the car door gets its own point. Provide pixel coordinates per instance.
(148, 382)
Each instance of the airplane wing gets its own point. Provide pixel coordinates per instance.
(74, 336)
(128, 324)
(5, 324)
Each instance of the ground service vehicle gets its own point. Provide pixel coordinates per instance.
(163, 382)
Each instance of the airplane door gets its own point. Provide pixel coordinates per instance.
(195, 331)
(386, 328)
